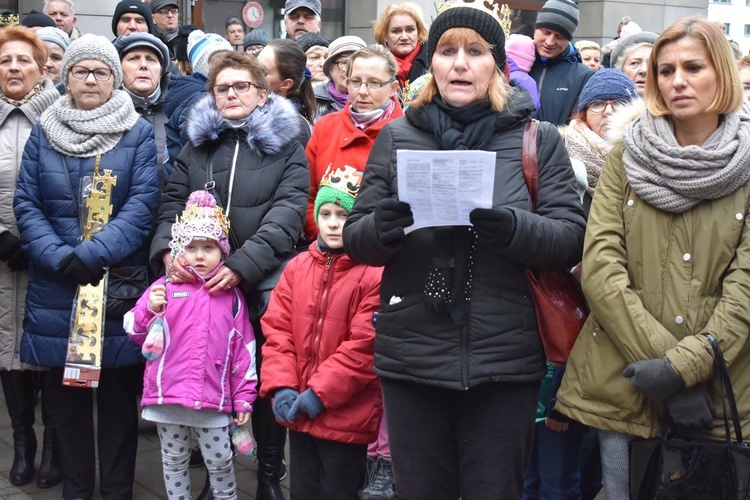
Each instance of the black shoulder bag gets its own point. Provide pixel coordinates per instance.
(668, 467)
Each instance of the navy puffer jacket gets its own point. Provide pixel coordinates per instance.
(50, 229)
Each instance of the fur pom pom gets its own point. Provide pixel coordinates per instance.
(201, 198)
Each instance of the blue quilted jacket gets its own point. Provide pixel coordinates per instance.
(50, 230)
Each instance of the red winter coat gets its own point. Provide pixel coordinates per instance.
(319, 334)
(337, 142)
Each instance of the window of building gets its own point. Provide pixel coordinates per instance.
(722, 1)
(747, 30)
(726, 28)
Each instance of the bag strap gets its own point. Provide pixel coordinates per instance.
(727, 394)
(210, 186)
(530, 162)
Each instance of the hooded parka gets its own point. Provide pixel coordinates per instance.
(657, 283)
(261, 167)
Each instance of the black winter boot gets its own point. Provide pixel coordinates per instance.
(49, 473)
(18, 387)
(271, 438)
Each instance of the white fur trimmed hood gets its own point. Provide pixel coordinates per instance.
(269, 128)
(620, 119)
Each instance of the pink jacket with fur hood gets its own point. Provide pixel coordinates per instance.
(209, 349)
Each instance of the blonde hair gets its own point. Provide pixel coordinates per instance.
(729, 90)
(587, 44)
(744, 62)
(497, 90)
(380, 28)
(371, 51)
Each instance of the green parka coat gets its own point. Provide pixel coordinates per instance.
(657, 283)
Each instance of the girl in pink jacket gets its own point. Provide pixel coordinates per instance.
(200, 349)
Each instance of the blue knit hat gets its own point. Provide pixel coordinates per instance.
(607, 85)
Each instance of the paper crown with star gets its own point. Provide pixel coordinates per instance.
(201, 219)
(338, 186)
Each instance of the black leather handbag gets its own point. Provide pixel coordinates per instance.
(672, 468)
(125, 286)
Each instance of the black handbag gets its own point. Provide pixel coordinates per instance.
(124, 287)
(669, 467)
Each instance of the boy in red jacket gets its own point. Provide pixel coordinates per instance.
(319, 350)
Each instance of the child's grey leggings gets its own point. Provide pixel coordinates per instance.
(217, 455)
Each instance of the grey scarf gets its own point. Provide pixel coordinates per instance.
(675, 178)
(82, 133)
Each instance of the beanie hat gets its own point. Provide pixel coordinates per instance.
(310, 40)
(474, 18)
(202, 218)
(90, 46)
(133, 6)
(607, 85)
(125, 44)
(54, 35)
(560, 16)
(255, 37)
(36, 19)
(180, 49)
(629, 29)
(626, 45)
(521, 49)
(340, 187)
(341, 45)
(201, 46)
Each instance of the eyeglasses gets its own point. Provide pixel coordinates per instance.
(341, 64)
(239, 88)
(600, 106)
(100, 74)
(166, 10)
(356, 84)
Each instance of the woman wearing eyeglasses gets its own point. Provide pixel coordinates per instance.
(94, 122)
(585, 137)
(346, 137)
(242, 143)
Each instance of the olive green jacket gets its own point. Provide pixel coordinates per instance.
(657, 283)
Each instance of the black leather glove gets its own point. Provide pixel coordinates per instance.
(391, 217)
(693, 408)
(76, 271)
(9, 245)
(654, 378)
(19, 261)
(494, 224)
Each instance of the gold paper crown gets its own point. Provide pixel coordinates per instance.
(495, 8)
(8, 19)
(346, 179)
(193, 215)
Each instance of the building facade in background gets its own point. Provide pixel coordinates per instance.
(735, 15)
(598, 18)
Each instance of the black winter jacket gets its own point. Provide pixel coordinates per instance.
(560, 81)
(498, 340)
(270, 191)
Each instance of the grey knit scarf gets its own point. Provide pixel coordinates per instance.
(584, 144)
(675, 178)
(82, 133)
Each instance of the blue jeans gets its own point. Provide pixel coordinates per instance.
(554, 468)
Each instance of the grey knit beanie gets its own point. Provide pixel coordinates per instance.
(310, 40)
(54, 35)
(560, 16)
(90, 46)
(255, 37)
(626, 45)
(475, 19)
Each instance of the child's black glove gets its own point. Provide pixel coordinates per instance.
(307, 402)
(391, 217)
(283, 399)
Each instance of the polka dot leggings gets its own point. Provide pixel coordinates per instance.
(217, 454)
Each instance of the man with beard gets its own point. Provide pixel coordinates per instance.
(301, 16)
